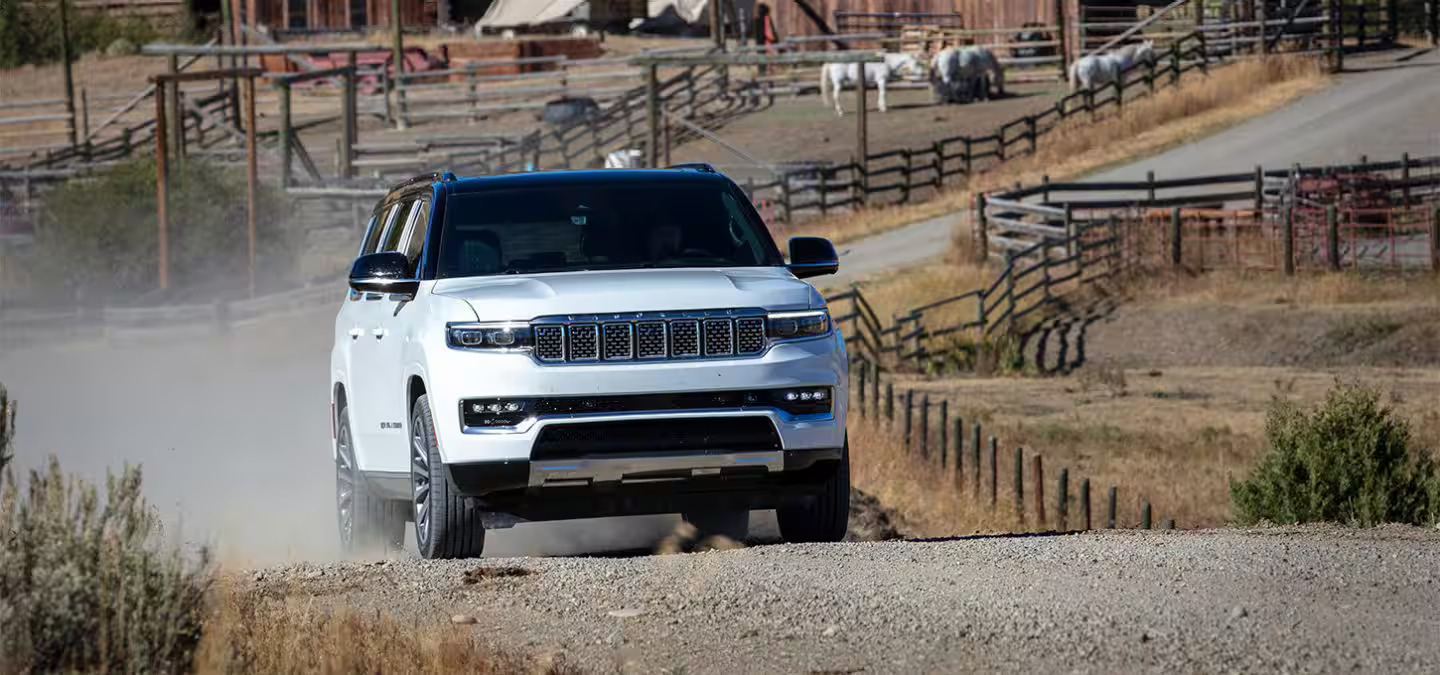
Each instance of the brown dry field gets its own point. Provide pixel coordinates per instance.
(1170, 403)
(803, 128)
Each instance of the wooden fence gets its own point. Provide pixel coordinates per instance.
(972, 462)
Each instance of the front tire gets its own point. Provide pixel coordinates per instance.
(446, 525)
(367, 522)
(822, 517)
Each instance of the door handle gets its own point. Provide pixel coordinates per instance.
(355, 333)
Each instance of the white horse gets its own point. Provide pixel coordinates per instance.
(877, 74)
(965, 73)
(1097, 70)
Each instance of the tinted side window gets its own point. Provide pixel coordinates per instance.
(398, 219)
(419, 227)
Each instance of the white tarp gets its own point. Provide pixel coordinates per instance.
(515, 13)
(511, 13)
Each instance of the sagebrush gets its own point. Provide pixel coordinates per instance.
(86, 584)
(1350, 460)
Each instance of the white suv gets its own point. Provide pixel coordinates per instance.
(580, 344)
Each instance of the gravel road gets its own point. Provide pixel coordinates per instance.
(1286, 600)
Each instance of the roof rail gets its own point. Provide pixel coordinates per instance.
(703, 167)
(434, 177)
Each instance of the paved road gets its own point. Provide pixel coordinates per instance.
(1387, 109)
(1311, 600)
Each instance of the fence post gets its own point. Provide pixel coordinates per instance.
(1063, 48)
(957, 446)
(1071, 241)
(1110, 510)
(944, 443)
(1085, 504)
(1030, 131)
(1120, 94)
(861, 396)
(1435, 241)
(981, 236)
(975, 439)
(1175, 63)
(1150, 74)
(1020, 484)
(994, 486)
(1010, 289)
(1175, 233)
(785, 196)
(889, 401)
(1062, 501)
(968, 164)
(938, 164)
(286, 131)
(1332, 236)
(1264, 30)
(824, 190)
(1039, 490)
(925, 426)
(905, 186)
(909, 416)
(1287, 243)
(1404, 176)
(1259, 189)
(875, 388)
(1145, 515)
(1337, 36)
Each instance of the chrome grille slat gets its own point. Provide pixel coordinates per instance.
(650, 336)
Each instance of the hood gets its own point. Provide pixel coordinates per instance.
(524, 297)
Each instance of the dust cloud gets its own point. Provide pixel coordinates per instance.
(233, 436)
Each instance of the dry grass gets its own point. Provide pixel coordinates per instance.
(251, 634)
(1173, 436)
(1260, 288)
(1199, 106)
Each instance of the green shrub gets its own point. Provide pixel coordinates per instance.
(1349, 460)
(84, 584)
(98, 238)
(30, 32)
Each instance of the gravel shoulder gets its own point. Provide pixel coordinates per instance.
(1284, 599)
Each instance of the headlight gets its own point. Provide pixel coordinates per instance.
(798, 325)
(490, 336)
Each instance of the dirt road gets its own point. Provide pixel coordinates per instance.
(1293, 600)
(1383, 108)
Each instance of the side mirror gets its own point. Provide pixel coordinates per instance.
(812, 257)
(387, 272)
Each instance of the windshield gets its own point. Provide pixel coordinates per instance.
(568, 228)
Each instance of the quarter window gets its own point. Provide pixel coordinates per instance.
(398, 220)
(419, 226)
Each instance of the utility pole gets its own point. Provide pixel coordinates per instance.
(69, 79)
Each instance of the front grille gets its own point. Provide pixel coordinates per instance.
(687, 400)
(650, 336)
(730, 434)
(583, 343)
(550, 343)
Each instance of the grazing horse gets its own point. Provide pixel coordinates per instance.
(877, 74)
(1097, 70)
(964, 74)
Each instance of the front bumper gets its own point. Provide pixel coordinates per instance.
(462, 375)
(658, 484)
